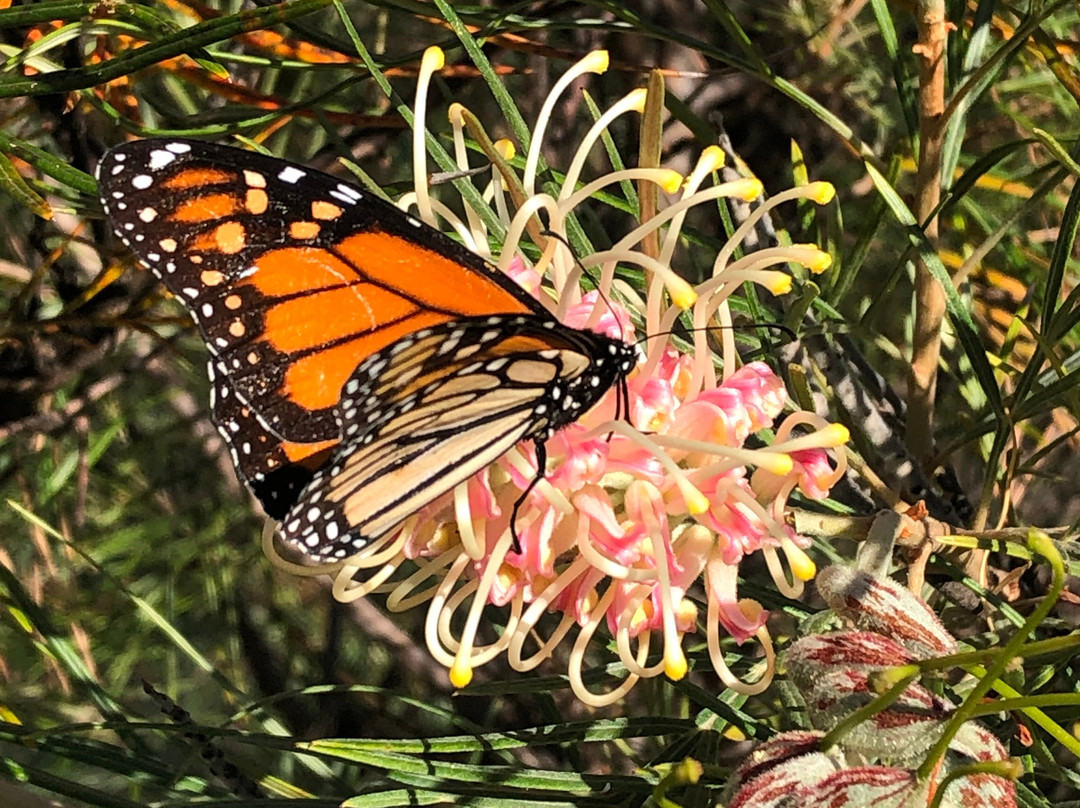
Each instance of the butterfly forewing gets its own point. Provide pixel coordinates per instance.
(293, 276)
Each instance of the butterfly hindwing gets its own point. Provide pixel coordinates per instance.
(275, 470)
(434, 409)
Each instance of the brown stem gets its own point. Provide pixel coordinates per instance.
(929, 297)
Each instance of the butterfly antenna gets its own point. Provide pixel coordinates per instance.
(584, 271)
(791, 335)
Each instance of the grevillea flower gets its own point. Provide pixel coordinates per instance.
(636, 520)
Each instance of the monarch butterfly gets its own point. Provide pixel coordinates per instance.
(361, 363)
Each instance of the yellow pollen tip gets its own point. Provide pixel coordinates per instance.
(636, 99)
(747, 189)
(821, 261)
(812, 257)
(711, 159)
(596, 62)
(696, 502)
(802, 567)
(779, 283)
(834, 435)
(821, 192)
(505, 148)
(433, 60)
(456, 114)
(460, 673)
(675, 664)
(774, 463)
(669, 180)
(682, 293)
(689, 771)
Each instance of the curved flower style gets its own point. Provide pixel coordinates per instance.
(631, 514)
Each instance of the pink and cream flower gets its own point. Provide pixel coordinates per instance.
(638, 519)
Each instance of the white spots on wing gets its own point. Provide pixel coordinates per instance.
(350, 194)
(178, 148)
(291, 175)
(159, 158)
(449, 345)
(142, 181)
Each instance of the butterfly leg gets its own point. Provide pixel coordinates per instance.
(541, 468)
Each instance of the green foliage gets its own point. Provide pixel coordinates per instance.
(130, 554)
